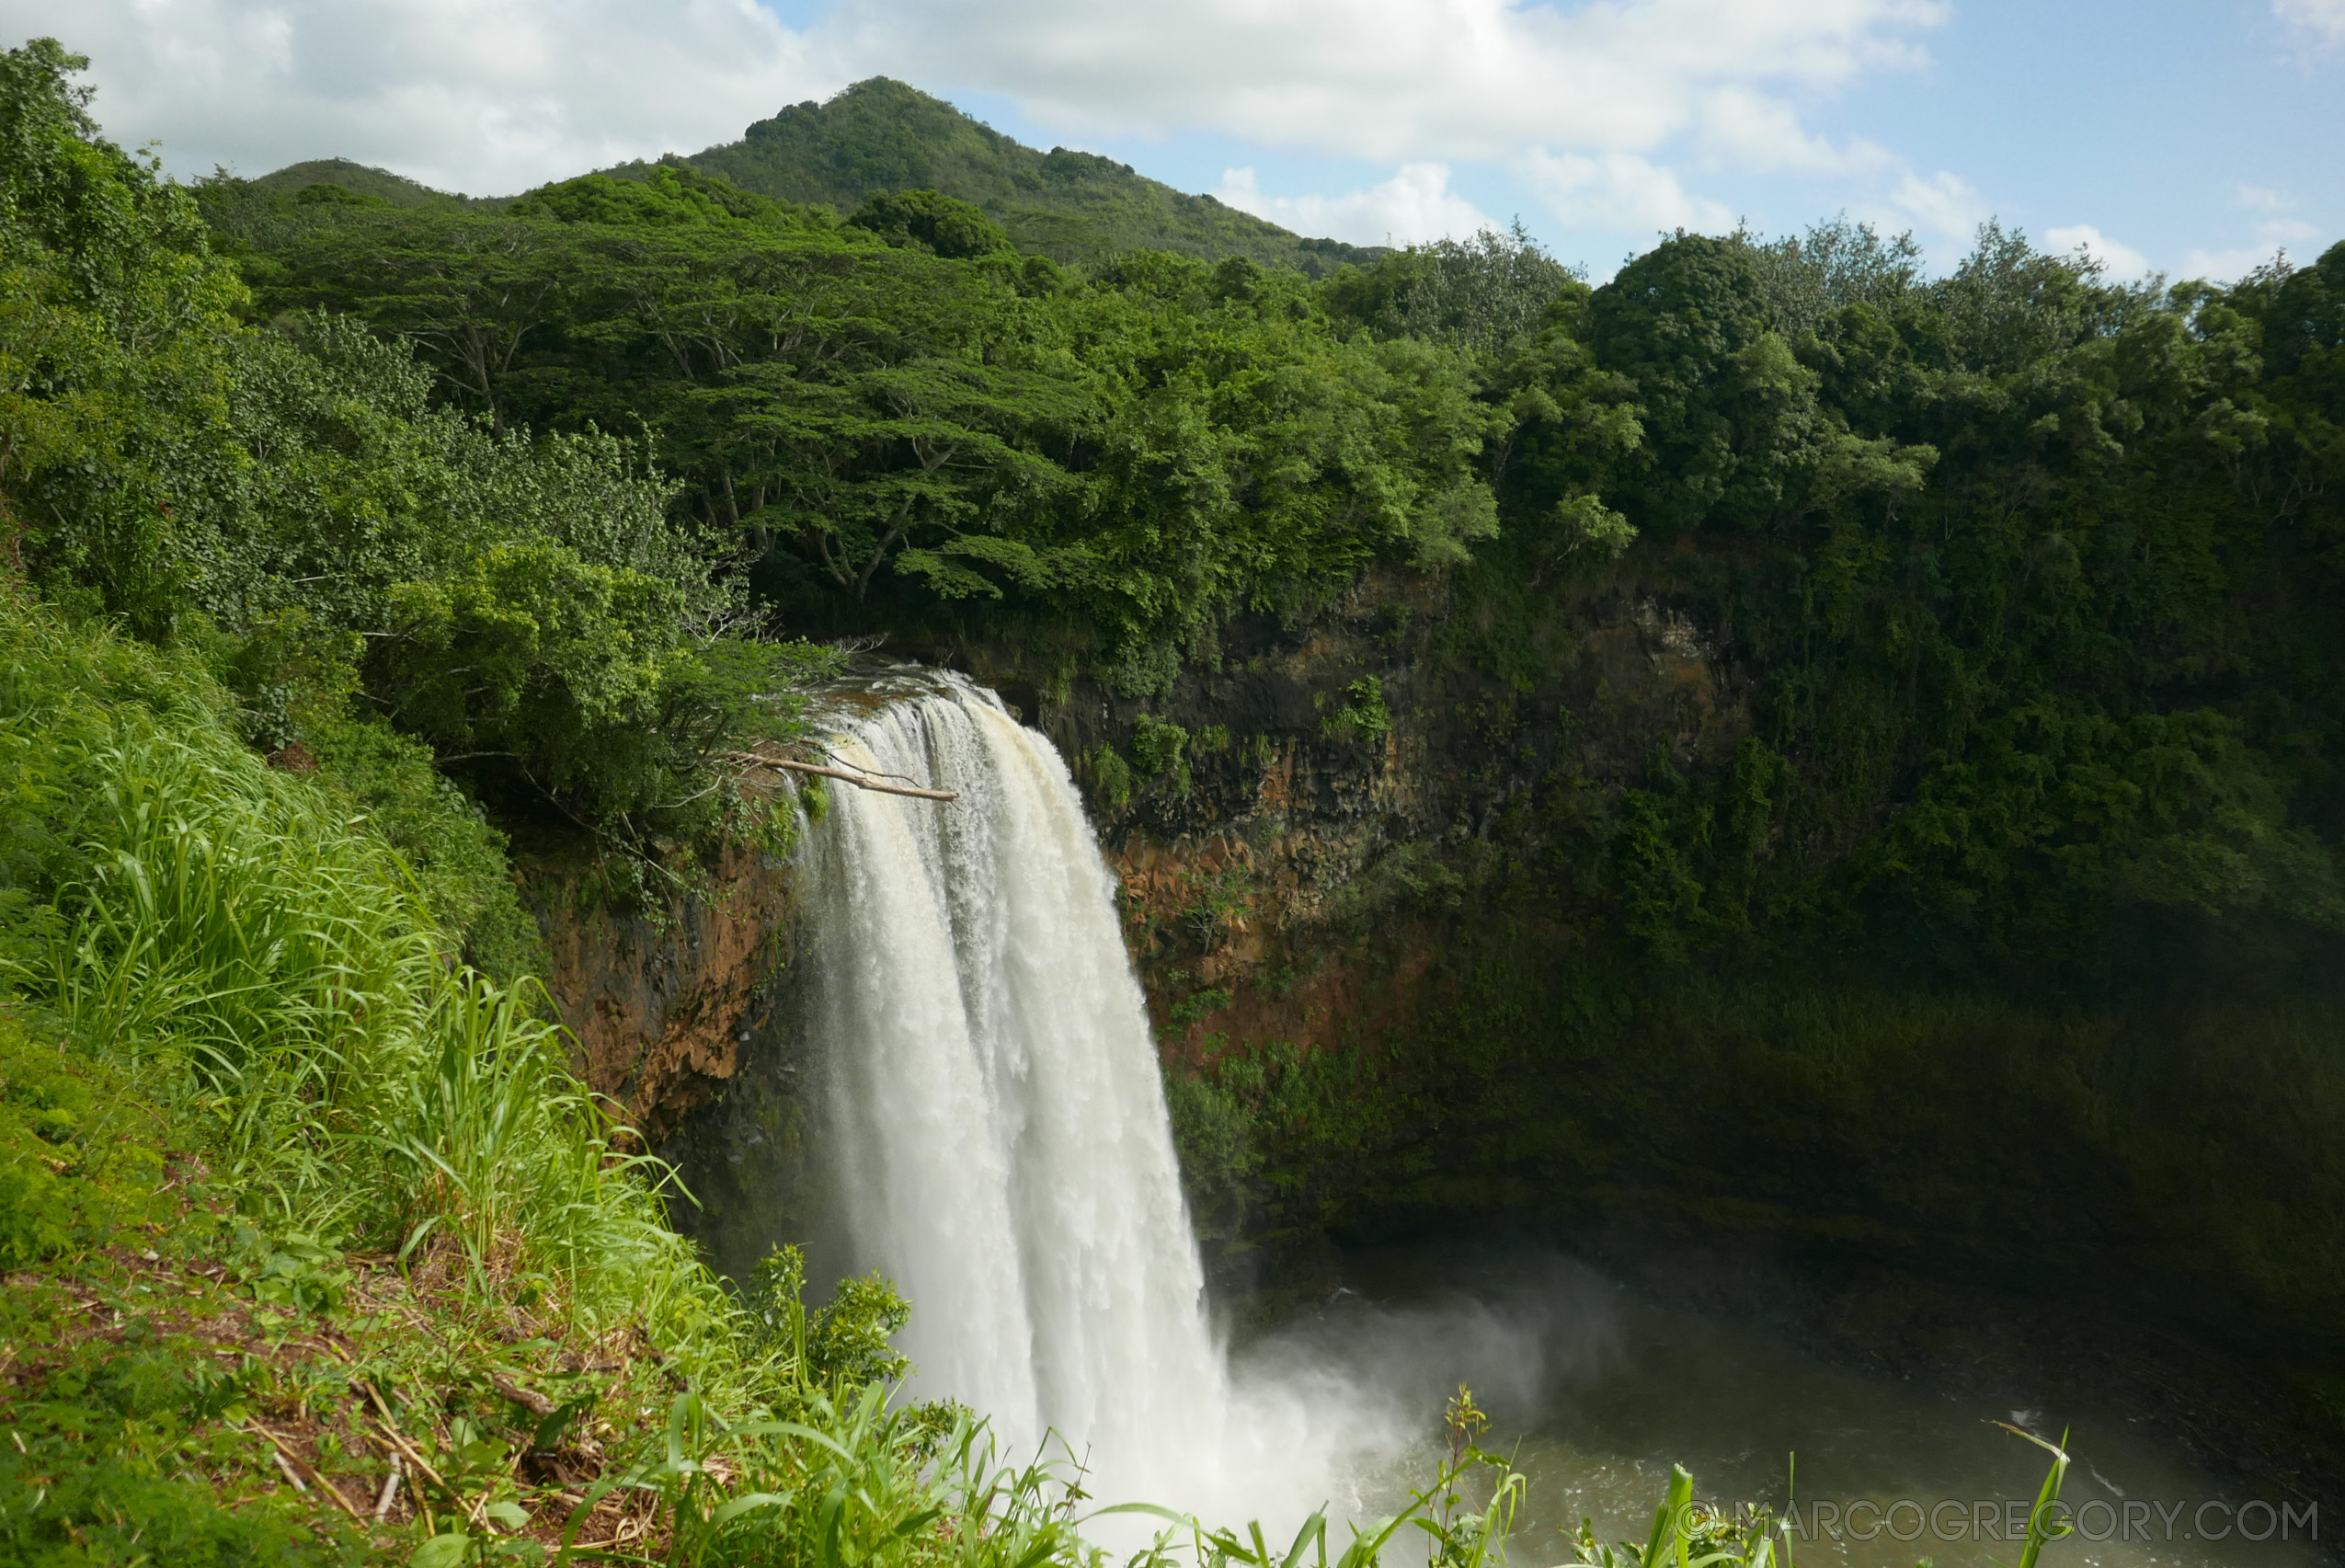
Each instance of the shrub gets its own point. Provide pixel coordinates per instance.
(1111, 777)
(1362, 715)
(1160, 750)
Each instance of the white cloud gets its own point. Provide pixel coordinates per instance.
(1750, 130)
(484, 96)
(1402, 79)
(2121, 262)
(1619, 191)
(1415, 205)
(1945, 205)
(2325, 19)
(2224, 265)
(1601, 105)
(2272, 236)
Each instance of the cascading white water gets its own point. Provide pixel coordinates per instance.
(1001, 1140)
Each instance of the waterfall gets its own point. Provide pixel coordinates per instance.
(1001, 1146)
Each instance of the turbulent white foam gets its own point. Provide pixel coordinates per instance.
(1003, 1149)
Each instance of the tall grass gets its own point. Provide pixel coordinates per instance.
(226, 917)
(236, 929)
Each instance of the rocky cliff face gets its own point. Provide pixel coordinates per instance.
(1292, 832)
(1337, 788)
(665, 1003)
(687, 1029)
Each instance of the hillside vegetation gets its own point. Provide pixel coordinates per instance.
(363, 181)
(879, 138)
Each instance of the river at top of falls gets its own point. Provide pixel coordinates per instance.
(1000, 1149)
(999, 1132)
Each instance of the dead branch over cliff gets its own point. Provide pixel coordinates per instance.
(854, 776)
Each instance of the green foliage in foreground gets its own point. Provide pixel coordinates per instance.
(456, 854)
(181, 906)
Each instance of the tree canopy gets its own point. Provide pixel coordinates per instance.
(2026, 574)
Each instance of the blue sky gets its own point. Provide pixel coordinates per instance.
(2188, 137)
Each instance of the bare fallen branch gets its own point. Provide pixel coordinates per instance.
(293, 1462)
(536, 1403)
(860, 780)
(390, 1489)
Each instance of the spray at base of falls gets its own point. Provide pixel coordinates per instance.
(1002, 1145)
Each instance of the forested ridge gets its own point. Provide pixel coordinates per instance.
(879, 137)
(2028, 568)
(475, 521)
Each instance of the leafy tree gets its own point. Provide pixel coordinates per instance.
(1249, 458)
(921, 464)
(289, 501)
(1729, 413)
(934, 222)
(1479, 293)
(111, 346)
(1735, 430)
(1569, 428)
(575, 681)
(667, 195)
(1807, 277)
(470, 289)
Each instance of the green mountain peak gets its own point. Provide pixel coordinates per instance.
(881, 135)
(364, 182)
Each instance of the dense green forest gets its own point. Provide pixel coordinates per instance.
(351, 531)
(898, 408)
